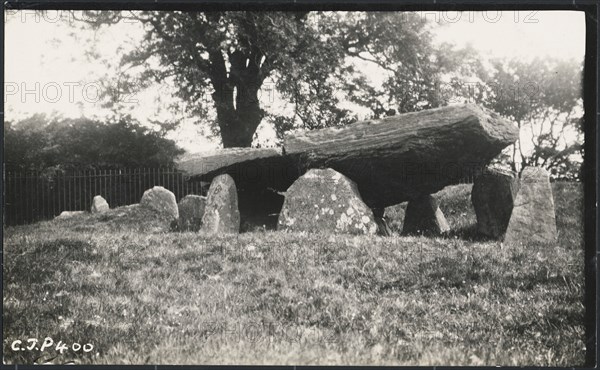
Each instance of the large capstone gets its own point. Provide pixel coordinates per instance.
(398, 158)
(325, 200)
(533, 218)
(221, 214)
(161, 201)
(99, 205)
(191, 209)
(424, 217)
(493, 198)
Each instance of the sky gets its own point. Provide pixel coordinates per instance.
(516, 34)
(47, 69)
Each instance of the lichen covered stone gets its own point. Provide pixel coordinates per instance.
(324, 200)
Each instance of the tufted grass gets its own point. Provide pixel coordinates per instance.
(143, 295)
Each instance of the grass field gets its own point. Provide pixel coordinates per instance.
(139, 294)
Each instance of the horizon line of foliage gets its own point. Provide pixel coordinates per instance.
(42, 144)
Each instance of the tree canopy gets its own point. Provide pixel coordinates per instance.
(42, 144)
(543, 97)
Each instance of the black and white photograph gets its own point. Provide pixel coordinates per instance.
(299, 186)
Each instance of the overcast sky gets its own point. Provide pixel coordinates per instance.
(47, 71)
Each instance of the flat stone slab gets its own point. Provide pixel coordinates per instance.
(493, 198)
(424, 217)
(533, 217)
(251, 168)
(323, 200)
(221, 214)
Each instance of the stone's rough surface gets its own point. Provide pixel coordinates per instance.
(221, 214)
(325, 200)
(68, 214)
(191, 210)
(493, 198)
(162, 201)
(423, 216)
(398, 158)
(99, 205)
(533, 218)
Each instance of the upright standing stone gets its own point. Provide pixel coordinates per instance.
(533, 218)
(162, 201)
(99, 205)
(191, 209)
(423, 216)
(325, 200)
(221, 215)
(493, 198)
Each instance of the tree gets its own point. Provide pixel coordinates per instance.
(543, 97)
(415, 70)
(224, 58)
(39, 143)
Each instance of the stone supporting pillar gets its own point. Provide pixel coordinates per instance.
(423, 216)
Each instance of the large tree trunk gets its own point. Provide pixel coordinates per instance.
(238, 124)
(236, 96)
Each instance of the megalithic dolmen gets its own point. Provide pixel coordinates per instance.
(391, 160)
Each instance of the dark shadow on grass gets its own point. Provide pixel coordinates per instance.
(468, 233)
